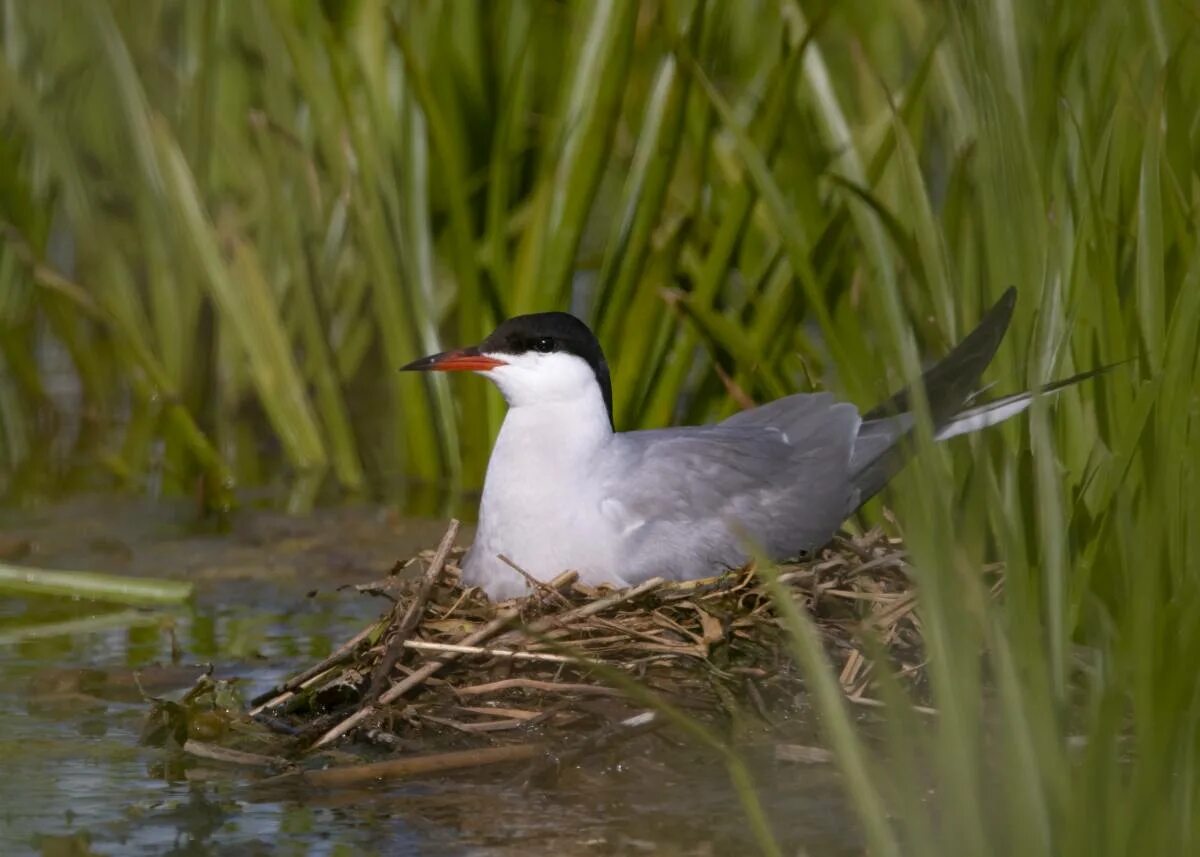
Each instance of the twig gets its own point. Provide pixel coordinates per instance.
(506, 713)
(232, 757)
(453, 608)
(556, 620)
(411, 766)
(283, 691)
(408, 623)
(408, 683)
(386, 585)
(564, 581)
(543, 589)
(477, 727)
(535, 684)
(510, 654)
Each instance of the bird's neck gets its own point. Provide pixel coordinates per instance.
(541, 493)
(558, 433)
(571, 426)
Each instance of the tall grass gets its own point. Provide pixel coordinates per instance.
(231, 222)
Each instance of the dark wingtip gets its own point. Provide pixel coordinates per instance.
(1006, 304)
(950, 381)
(947, 385)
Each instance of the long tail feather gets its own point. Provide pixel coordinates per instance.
(952, 380)
(998, 410)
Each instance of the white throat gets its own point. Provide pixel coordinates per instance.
(557, 416)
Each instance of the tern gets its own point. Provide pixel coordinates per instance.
(565, 491)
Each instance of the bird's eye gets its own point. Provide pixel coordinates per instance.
(543, 345)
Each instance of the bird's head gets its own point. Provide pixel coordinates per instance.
(539, 359)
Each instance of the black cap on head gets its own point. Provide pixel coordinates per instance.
(547, 332)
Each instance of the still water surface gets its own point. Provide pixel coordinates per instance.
(74, 780)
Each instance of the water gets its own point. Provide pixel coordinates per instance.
(75, 780)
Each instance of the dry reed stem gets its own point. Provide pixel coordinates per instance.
(283, 691)
(406, 624)
(535, 684)
(216, 753)
(416, 678)
(558, 620)
(410, 766)
(545, 657)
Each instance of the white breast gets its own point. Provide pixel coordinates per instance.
(541, 505)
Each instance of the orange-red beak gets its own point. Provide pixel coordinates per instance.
(461, 360)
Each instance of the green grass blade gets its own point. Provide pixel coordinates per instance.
(592, 93)
(93, 586)
(838, 725)
(248, 307)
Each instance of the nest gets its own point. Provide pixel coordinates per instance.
(445, 669)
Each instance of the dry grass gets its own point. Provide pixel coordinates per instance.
(478, 671)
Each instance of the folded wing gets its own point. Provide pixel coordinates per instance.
(696, 499)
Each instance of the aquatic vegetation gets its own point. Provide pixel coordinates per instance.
(92, 585)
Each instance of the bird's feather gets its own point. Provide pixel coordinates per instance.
(564, 491)
(708, 495)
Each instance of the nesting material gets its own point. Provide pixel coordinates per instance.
(447, 668)
(446, 680)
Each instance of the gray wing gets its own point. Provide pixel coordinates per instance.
(790, 412)
(691, 500)
(782, 476)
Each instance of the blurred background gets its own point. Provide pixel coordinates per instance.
(225, 225)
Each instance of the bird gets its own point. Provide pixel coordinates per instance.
(565, 491)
